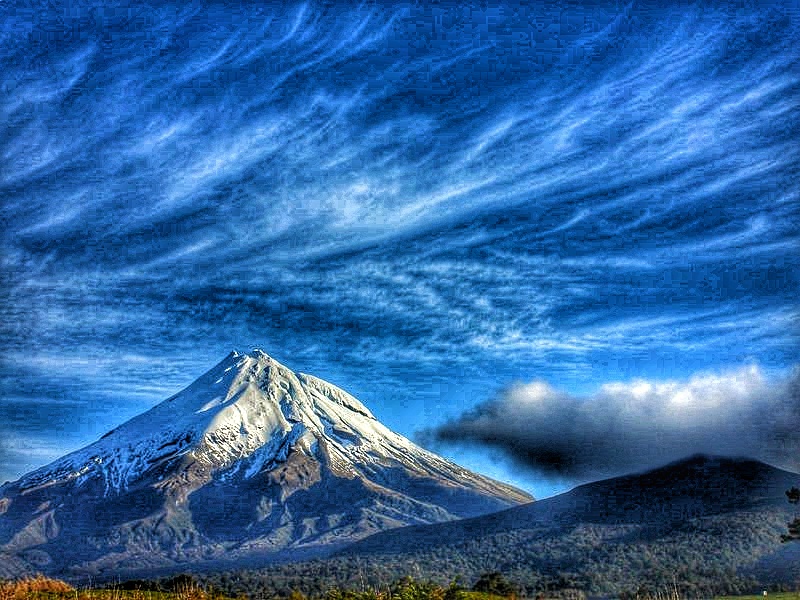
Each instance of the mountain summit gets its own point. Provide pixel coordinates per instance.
(250, 463)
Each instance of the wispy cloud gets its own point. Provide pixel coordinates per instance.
(389, 189)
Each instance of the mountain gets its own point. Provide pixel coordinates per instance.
(251, 463)
(662, 499)
(706, 524)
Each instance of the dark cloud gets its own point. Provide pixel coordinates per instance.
(633, 426)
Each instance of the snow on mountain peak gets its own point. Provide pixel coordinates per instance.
(241, 414)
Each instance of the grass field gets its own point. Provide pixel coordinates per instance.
(771, 596)
(43, 588)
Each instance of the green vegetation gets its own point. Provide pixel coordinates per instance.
(494, 584)
(794, 526)
(707, 556)
(186, 588)
(489, 586)
(410, 589)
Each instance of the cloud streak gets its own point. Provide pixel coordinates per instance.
(636, 425)
(459, 194)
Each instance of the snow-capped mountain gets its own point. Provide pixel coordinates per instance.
(251, 462)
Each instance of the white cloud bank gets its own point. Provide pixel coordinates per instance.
(637, 425)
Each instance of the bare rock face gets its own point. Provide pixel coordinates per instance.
(251, 463)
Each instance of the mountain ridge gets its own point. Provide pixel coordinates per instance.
(606, 500)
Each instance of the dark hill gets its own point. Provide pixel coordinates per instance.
(705, 524)
(665, 498)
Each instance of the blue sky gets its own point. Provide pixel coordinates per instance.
(430, 206)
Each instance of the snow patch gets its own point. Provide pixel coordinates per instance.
(211, 404)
